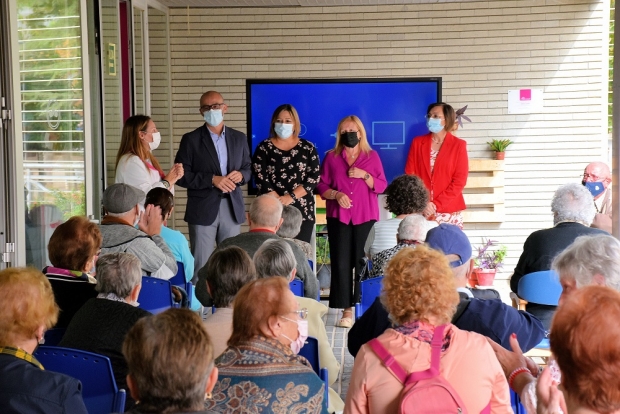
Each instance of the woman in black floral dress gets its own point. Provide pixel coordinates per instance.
(287, 167)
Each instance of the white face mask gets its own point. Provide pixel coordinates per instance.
(283, 131)
(156, 141)
(213, 117)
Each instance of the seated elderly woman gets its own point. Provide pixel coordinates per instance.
(405, 196)
(585, 340)
(290, 227)
(226, 271)
(411, 232)
(276, 258)
(420, 295)
(101, 324)
(170, 361)
(73, 250)
(28, 309)
(259, 369)
(589, 260)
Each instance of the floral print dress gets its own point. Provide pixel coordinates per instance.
(455, 218)
(283, 171)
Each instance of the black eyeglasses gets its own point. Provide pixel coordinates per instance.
(206, 108)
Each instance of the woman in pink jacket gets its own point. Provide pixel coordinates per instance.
(420, 295)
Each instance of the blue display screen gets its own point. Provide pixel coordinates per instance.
(392, 110)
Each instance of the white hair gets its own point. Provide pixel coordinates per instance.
(589, 256)
(573, 202)
(413, 227)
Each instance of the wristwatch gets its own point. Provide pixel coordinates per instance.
(366, 177)
(165, 183)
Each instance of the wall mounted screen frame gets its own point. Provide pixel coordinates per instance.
(393, 111)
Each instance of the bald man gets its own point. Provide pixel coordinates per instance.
(597, 177)
(216, 160)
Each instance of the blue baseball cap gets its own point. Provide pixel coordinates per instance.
(450, 239)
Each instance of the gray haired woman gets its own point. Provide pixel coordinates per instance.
(290, 227)
(101, 324)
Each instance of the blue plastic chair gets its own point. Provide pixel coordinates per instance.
(544, 288)
(297, 287)
(540, 287)
(369, 290)
(99, 390)
(155, 295)
(311, 263)
(515, 403)
(180, 281)
(310, 351)
(54, 336)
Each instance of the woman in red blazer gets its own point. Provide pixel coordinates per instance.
(440, 160)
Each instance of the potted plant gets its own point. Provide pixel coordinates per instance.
(487, 262)
(499, 146)
(323, 262)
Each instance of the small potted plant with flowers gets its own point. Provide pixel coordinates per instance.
(490, 258)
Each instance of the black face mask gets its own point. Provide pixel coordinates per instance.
(349, 139)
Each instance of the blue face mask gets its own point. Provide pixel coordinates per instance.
(213, 117)
(434, 125)
(595, 188)
(283, 131)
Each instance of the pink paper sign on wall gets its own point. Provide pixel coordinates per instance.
(525, 101)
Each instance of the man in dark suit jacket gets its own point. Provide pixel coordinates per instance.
(216, 161)
(573, 211)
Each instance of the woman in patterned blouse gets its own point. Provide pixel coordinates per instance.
(287, 167)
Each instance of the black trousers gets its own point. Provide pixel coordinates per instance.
(305, 234)
(346, 249)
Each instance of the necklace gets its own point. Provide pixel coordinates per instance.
(436, 140)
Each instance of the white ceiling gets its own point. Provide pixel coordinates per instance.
(302, 3)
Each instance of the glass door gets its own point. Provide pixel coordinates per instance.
(55, 152)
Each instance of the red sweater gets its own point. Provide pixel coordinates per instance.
(445, 185)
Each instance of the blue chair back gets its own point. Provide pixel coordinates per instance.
(369, 290)
(297, 287)
(310, 351)
(155, 295)
(179, 278)
(180, 281)
(99, 389)
(540, 287)
(54, 336)
(311, 263)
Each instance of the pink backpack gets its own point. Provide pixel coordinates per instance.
(425, 392)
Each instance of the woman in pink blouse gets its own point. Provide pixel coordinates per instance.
(351, 178)
(419, 292)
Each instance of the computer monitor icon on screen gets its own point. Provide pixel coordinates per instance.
(387, 134)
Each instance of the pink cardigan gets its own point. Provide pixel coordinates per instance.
(469, 365)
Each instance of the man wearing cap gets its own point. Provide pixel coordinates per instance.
(596, 178)
(491, 317)
(122, 212)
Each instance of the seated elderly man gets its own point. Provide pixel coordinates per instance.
(101, 324)
(290, 227)
(596, 178)
(226, 271)
(275, 258)
(122, 207)
(573, 211)
(589, 260)
(265, 217)
(27, 310)
(411, 232)
(489, 317)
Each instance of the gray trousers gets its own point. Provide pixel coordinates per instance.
(203, 239)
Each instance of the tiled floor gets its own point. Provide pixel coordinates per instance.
(338, 341)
